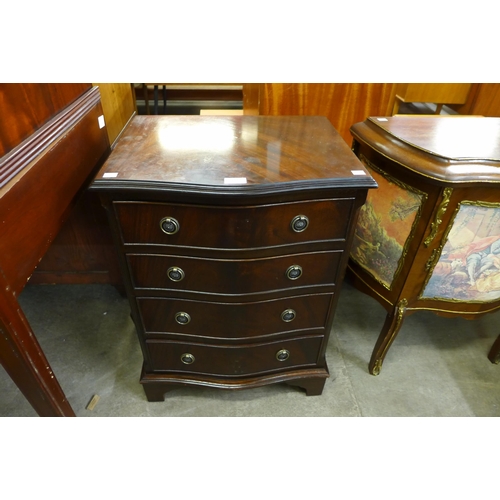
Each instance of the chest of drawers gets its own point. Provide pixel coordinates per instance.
(232, 235)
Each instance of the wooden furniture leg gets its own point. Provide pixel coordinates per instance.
(392, 325)
(312, 386)
(23, 359)
(494, 354)
(155, 392)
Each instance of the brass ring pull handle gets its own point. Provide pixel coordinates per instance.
(169, 225)
(282, 355)
(299, 223)
(175, 273)
(182, 318)
(187, 358)
(288, 315)
(294, 272)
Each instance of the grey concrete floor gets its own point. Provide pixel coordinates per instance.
(437, 367)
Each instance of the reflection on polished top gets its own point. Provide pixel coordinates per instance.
(452, 149)
(233, 152)
(454, 137)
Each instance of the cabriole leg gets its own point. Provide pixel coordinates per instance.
(387, 335)
(494, 354)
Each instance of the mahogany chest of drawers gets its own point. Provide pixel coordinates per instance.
(232, 235)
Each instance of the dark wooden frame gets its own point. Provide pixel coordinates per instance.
(41, 180)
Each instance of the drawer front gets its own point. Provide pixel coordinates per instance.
(167, 356)
(233, 321)
(233, 227)
(233, 277)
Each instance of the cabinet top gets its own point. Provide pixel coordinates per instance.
(454, 149)
(231, 154)
(455, 137)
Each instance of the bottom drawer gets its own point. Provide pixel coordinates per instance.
(169, 356)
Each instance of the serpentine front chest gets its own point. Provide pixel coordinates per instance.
(233, 236)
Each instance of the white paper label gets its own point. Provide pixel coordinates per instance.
(382, 119)
(358, 172)
(110, 174)
(100, 119)
(235, 180)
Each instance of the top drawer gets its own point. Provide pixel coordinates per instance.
(234, 227)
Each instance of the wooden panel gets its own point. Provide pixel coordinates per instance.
(484, 100)
(216, 276)
(232, 360)
(27, 106)
(234, 228)
(242, 321)
(34, 204)
(118, 105)
(445, 93)
(50, 166)
(83, 250)
(251, 95)
(342, 103)
(488, 100)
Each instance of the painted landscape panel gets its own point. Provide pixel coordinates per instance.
(385, 222)
(469, 266)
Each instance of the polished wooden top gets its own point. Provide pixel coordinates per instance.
(454, 137)
(454, 149)
(231, 153)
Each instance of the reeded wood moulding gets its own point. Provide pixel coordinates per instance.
(46, 137)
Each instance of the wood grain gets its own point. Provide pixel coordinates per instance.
(216, 276)
(38, 200)
(83, 250)
(46, 172)
(446, 93)
(118, 105)
(483, 100)
(241, 321)
(242, 227)
(342, 103)
(201, 152)
(439, 148)
(234, 361)
(27, 106)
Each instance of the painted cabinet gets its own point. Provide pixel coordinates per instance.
(429, 237)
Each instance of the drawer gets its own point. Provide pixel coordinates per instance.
(230, 360)
(234, 320)
(233, 227)
(233, 276)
